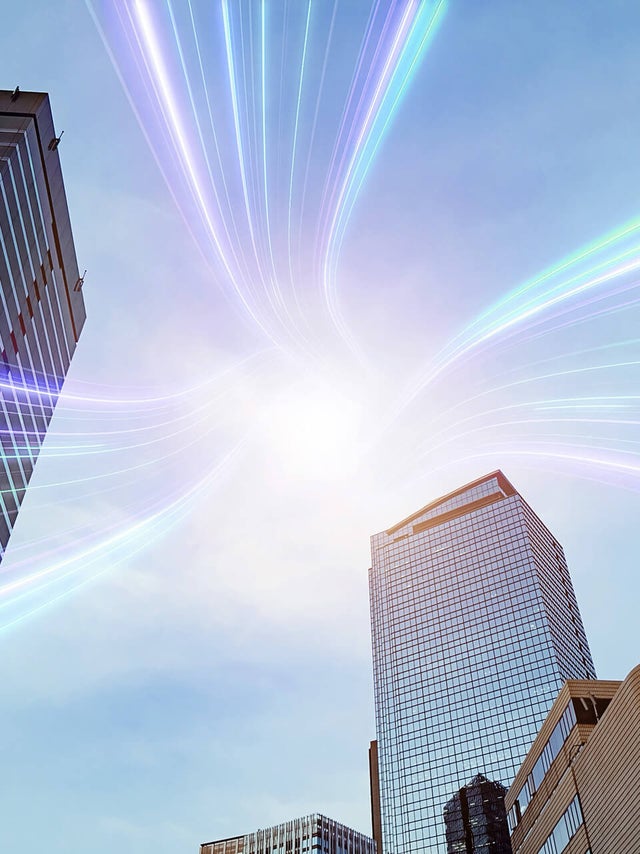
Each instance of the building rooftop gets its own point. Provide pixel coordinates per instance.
(18, 110)
(478, 493)
(307, 819)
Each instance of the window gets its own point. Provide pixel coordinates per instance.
(565, 829)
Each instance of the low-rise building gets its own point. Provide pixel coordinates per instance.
(575, 791)
(315, 834)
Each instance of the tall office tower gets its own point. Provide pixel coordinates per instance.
(313, 833)
(42, 309)
(476, 819)
(475, 628)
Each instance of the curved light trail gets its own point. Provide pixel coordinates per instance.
(231, 96)
(266, 154)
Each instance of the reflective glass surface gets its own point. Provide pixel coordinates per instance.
(475, 627)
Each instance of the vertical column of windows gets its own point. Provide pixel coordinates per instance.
(40, 385)
(40, 252)
(41, 195)
(8, 445)
(10, 403)
(21, 413)
(382, 632)
(34, 303)
(18, 415)
(569, 639)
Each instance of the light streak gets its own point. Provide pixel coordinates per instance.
(169, 105)
(533, 303)
(287, 288)
(233, 120)
(116, 547)
(144, 469)
(296, 124)
(417, 26)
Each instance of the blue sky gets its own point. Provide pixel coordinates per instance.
(216, 678)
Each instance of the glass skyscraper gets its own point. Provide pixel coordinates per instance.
(41, 304)
(315, 834)
(475, 627)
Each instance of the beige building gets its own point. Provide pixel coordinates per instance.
(576, 791)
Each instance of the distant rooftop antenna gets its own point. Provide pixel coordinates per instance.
(15, 94)
(55, 142)
(78, 285)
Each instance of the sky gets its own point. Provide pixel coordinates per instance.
(185, 631)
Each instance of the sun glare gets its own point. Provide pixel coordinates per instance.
(313, 433)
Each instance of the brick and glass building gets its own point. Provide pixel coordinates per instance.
(575, 791)
(475, 628)
(315, 834)
(476, 819)
(41, 304)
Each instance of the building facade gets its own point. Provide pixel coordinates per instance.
(313, 833)
(575, 790)
(475, 819)
(475, 627)
(42, 308)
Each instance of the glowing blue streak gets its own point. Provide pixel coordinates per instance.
(382, 110)
(295, 130)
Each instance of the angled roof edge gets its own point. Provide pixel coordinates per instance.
(504, 483)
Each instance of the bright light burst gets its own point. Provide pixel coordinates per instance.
(266, 149)
(313, 432)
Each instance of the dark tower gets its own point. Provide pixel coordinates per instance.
(41, 304)
(476, 820)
